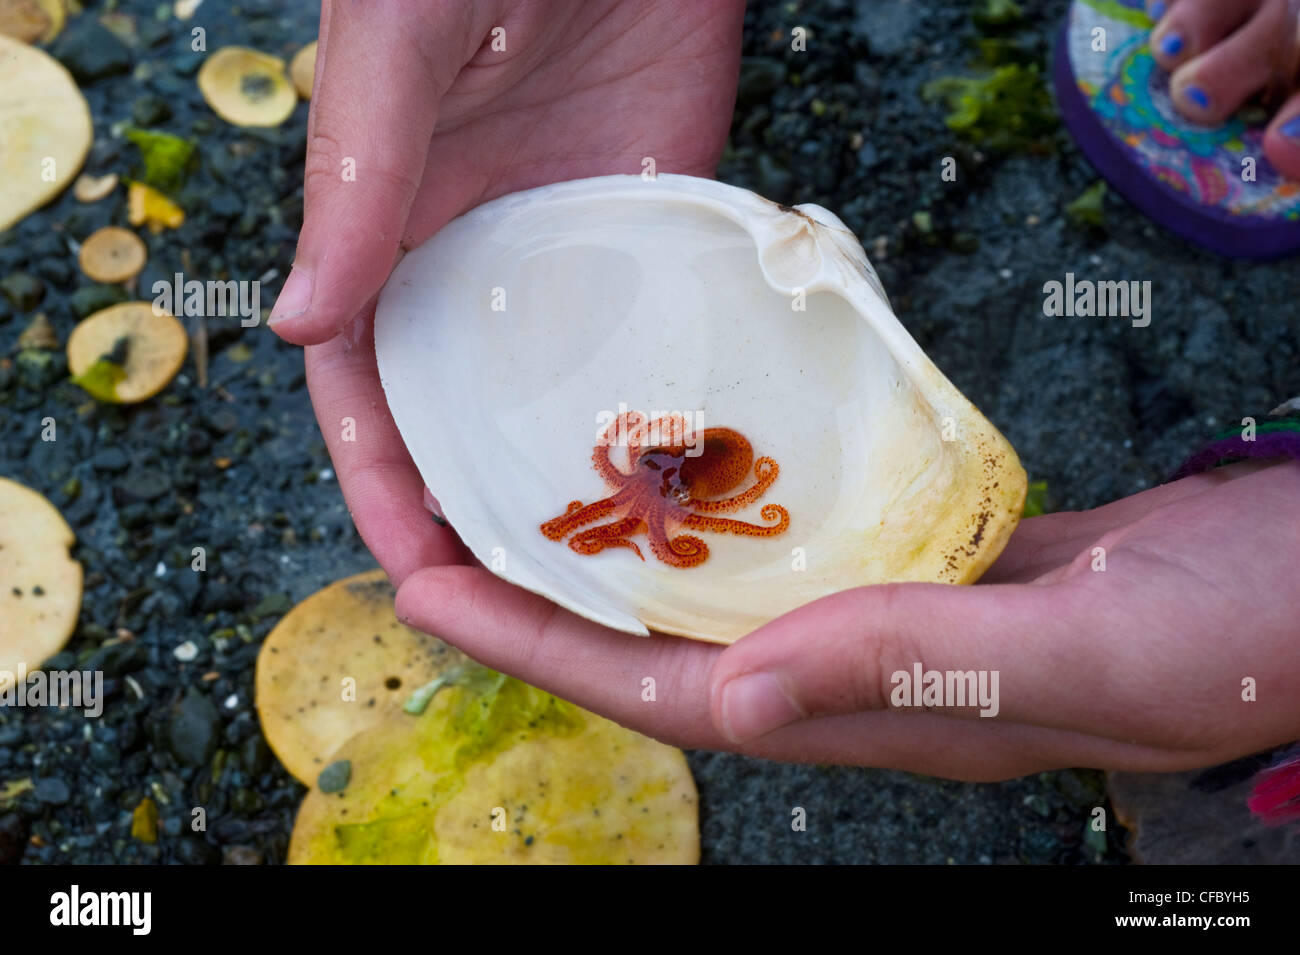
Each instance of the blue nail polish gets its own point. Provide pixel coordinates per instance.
(1157, 10)
(1291, 128)
(1197, 97)
(1171, 45)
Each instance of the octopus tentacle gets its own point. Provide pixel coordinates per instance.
(596, 539)
(623, 428)
(576, 515)
(770, 512)
(765, 470)
(685, 550)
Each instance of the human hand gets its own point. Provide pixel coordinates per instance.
(1138, 667)
(436, 122)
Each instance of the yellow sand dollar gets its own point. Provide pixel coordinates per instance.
(40, 584)
(45, 129)
(247, 88)
(339, 663)
(302, 69)
(112, 254)
(32, 21)
(127, 353)
(496, 771)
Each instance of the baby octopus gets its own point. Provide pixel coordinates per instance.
(668, 487)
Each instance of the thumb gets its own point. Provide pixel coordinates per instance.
(852, 652)
(381, 73)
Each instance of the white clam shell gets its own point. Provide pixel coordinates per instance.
(507, 341)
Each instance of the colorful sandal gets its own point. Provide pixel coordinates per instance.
(1191, 179)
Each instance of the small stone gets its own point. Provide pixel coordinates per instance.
(335, 777)
(113, 460)
(193, 851)
(39, 369)
(52, 790)
(23, 291)
(241, 855)
(144, 821)
(150, 111)
(1038, 804)
(222, 421)
(186, 652)
(92, 298)
(246, 801)
(760, 77)
(193, 729)
(272, 605)
(141, 484)
(90, 52)
(39, 334)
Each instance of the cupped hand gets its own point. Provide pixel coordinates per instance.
(421, 111)
(1141, 655)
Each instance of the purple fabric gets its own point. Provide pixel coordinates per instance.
(1270, 444)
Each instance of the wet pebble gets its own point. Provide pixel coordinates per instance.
(89, 51)
(112, 460)
(193, 729)
(52, 790)
(23, 290)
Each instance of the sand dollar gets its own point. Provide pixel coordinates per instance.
(45, 129)
(497, 771)
(127, 353)
(40, 583)
(345, 632)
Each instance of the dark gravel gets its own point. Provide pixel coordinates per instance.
(1097, 408)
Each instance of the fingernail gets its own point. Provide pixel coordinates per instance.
(1197, 97)
(294, 298)
(755, 704)
(1157, 10)
(1171, 45)
(1291, 128)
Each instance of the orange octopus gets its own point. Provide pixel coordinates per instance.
(668, 487)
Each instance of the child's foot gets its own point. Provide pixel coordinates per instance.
(1223, 52)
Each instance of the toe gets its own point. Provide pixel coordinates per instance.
(1282, 141)
(1213, 85)
(1190, 27)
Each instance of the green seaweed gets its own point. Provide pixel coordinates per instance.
(1007, 109)
(100, 380)
(1090, 208)
(488, 713)
(1035, 499)
(166, 157)
(998, 13)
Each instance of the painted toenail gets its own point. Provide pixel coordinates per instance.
(1197, 97)
(1291, 128)
(1157, 10)
(1171, 45)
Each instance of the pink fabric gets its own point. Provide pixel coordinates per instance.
(1276, 797)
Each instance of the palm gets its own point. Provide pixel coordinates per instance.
(1138, 666)
(595, 92)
